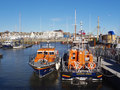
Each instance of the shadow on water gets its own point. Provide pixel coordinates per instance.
(48, 82)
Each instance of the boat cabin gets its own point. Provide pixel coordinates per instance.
(79, 58)
(48, 54)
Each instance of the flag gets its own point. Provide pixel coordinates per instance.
(82, 32)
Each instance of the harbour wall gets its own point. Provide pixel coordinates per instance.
(37, 41)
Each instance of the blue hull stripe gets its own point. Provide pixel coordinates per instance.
(88, 75)
(44, 72)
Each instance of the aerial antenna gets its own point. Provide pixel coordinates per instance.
(98, 27)
(81, 30)
(67, 24)
(55, 39)
(75, 23)
(89, 25)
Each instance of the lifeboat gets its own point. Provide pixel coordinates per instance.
(79, 63)
(45, 61)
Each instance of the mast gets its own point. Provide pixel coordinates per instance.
(19, 22)
(81, 33)
(75, 23)
(98, 27)
(89, 26)
(40, 25)
(15, 28)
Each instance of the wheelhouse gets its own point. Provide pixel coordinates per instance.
(48, 54)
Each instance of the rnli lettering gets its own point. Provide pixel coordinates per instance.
(80, 74)
(88, 73)
(84, 74)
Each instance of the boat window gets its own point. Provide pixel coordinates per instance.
(73, 57)
(73, 53)
(51, 53)
(45, 53)
(39, 52)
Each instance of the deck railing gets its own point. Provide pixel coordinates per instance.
(31, 57)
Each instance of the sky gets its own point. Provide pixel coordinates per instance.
(48, 15)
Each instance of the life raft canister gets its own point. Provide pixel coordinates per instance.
(91, 65)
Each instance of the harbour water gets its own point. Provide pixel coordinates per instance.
(15, 73)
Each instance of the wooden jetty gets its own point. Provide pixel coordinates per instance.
(111, 72)
(111, 66)
(110, 61)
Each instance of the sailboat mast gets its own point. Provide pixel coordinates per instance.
(40, 24)
(75, 24)
(20, 22)
(98, 27)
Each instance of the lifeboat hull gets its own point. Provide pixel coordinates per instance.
(44, 71)
(81, 76)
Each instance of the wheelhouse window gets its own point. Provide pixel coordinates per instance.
(51, 53)
(46, 53)
(73, 53)
(39, 52)
(73, 57)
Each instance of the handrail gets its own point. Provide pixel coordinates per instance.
(109, 53)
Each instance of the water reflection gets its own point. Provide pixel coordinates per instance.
(50, 81)
(70, 85)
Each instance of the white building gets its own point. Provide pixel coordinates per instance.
(34, 35)
(52, 34)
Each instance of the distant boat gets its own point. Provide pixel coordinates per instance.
(46, 61)
(18, 44)
(7, 44)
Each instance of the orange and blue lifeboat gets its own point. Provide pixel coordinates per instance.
(46, 61)
(79, 64)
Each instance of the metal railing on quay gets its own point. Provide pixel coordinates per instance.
(108, 53)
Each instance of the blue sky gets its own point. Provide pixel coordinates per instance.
(47, 15)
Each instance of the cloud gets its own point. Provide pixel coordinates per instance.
(56, 19)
